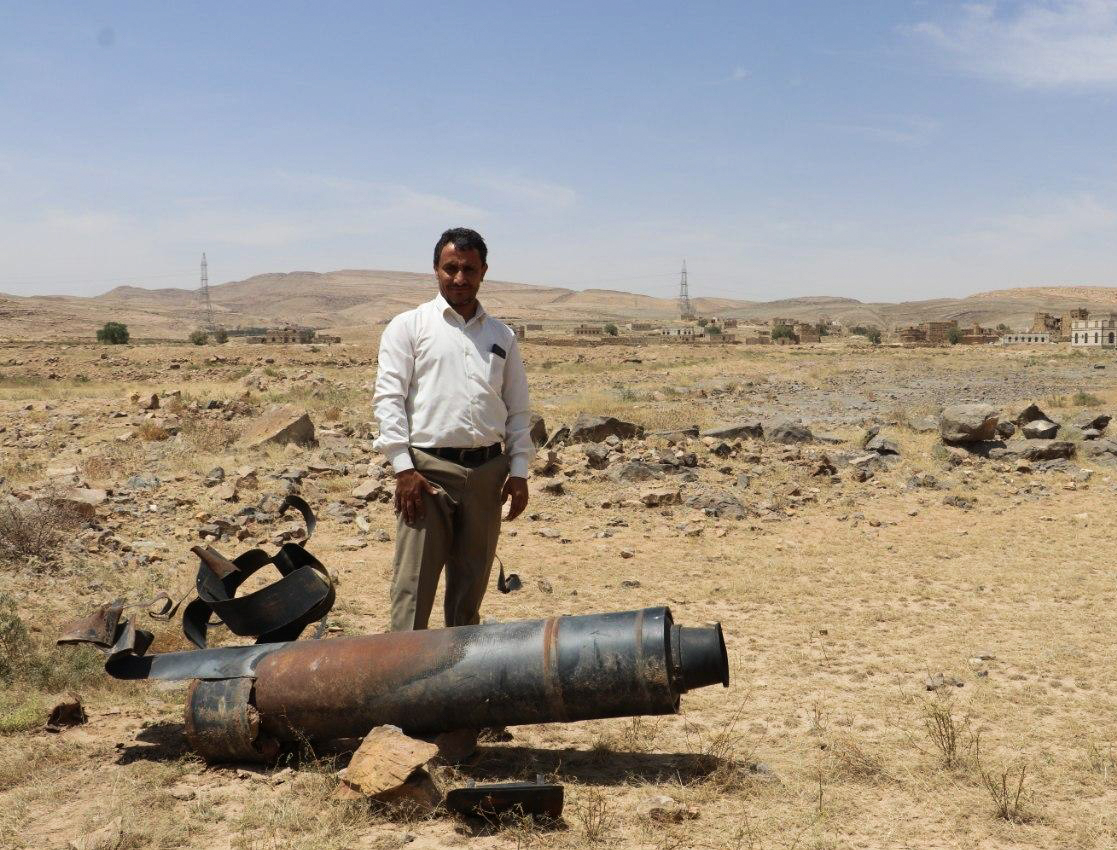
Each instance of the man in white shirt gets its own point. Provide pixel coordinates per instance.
(451, 388)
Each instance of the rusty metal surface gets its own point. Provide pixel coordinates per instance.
(535, 671)
(223, 725)
(223, 663)
(99, 628)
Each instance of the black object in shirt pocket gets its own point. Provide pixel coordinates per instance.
(500, 352)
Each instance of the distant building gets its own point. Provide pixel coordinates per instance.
(1094, 332)
(938, 333)
(642, 326)
(518, 330)
(684, 332)
(1059, 327)
(589, 330)
(911, 335)
(805, 333)
(1032, 337)
(977, 335)
(532, 327)
(285, 336)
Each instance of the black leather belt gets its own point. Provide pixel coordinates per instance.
(463, 457)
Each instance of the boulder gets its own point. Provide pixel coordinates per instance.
(538, 430)
(597, 456)
(661, 496)
(968, 423)
(594, 429)
(368, 489)
(1040, 429)
(882, 445)
(676, 435)
(388, 767)
(746, 428)
(1092, 421)
(634, 470)
(1005, 429)
(786, 431)
(1036, 450)
(1029, 414)
(280, 424)
(717, 504)
(1101, 448)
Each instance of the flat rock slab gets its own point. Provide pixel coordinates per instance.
(385, 761)
(594, 429)
(751, 428)
(279, 425)
(968, 423)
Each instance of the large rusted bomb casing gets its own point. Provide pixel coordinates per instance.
(500, 674)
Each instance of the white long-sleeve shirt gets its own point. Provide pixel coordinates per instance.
(442, 384)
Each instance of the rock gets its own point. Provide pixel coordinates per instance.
(633, 471)
(1092, 421)
(456, 746)
(214, 477)
(1101, 448)
(559, 437)
(629, 583)
(626, 554)
(939, 680)
(554, 488)
(747, 428)
(718, 503)
(786, 431)
(280, 425)
(664, 809)
(227, 492)
(924, 480)
(597, 456)
(1029, 414)
(1005, 429)
(149, 403)
(389, 767)
(368, 489)
(968, 423)
(660, 496)
(1048, 450)
(882, 445)
(87, 496)
(548, 533)
(924, 424)
(743, 480)
(676, 435)
(67, 711)
(1039, 429)
(538, 430)
(956, 501)
(108, 837)
(594, 429)
(1090, 433)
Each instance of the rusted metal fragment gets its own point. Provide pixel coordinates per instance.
(225, 663)
(99, 628)
(538, 799)
(223, 725)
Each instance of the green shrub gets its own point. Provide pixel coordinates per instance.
(114, 333)
(220, 336)
(611, 329)
(782, 332)
(199, 337)
(954, 336)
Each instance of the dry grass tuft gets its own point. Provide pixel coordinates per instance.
(35, 529)
(1011, 800)
(951, 735)
(852, 761)
(149, 432)
(595, 817)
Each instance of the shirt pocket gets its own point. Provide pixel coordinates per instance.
(494, 370)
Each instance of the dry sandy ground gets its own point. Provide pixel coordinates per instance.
(839, 598)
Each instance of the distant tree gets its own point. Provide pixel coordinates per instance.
(703, 322)
(782, 331)
(114, 333)
(1003, 328)
(198, 337)
(713, 330)
(221, 336)
(823, 329)
(873, 335)
(954, 336)
(611, 329)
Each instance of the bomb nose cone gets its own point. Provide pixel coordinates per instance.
(702, 657)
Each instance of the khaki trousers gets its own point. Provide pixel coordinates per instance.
(459, 531)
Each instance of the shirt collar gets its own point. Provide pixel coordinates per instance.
(443, 306)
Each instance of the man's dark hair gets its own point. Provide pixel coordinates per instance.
(464, 239)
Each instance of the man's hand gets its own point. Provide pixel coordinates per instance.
(516, 489)
(410, 485)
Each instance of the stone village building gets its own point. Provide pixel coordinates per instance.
(1094, 332)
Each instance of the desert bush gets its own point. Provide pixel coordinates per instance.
(853, 761)
(594, 815)
(114, 333)
(1011, 800)
(1085, 399)
(951, 735)
(198, 337)
(149, 432)
(782, 332)
(220, 336)
(34, 529)
(208, 435)
(611, 329)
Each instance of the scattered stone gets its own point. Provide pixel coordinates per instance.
(717, 503)
(660, 496)
(748, 428)
(548, 533)
(968, 423)
(594, 429)
(1090, 421)
(924, 424)
(664, 809)
(388, 767)
(281, 425)
(538, 430)
(939, 680)
(368, 489)
(743, 480)
(1031, 413)
(149, 402)
(1039, 429)
(554, 488)
(634, 471)
(597, 456)
(544, 586)
(786, 431)
(956, 501)
(882, 445)
(629, 582)
(1005, 429)
(227, 492)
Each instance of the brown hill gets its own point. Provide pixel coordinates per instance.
(352, 302)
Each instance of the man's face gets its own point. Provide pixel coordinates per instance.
(459, 275)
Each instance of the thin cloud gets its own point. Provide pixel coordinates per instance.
(902, 131)
(1038, 44)
(739, 74)
(1043, 223)
(526, 191)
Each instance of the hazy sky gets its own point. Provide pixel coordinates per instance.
(883, 150)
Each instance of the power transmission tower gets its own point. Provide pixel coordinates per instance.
(686, 309)
(208, 324)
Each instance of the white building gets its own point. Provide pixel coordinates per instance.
(1099, 331)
